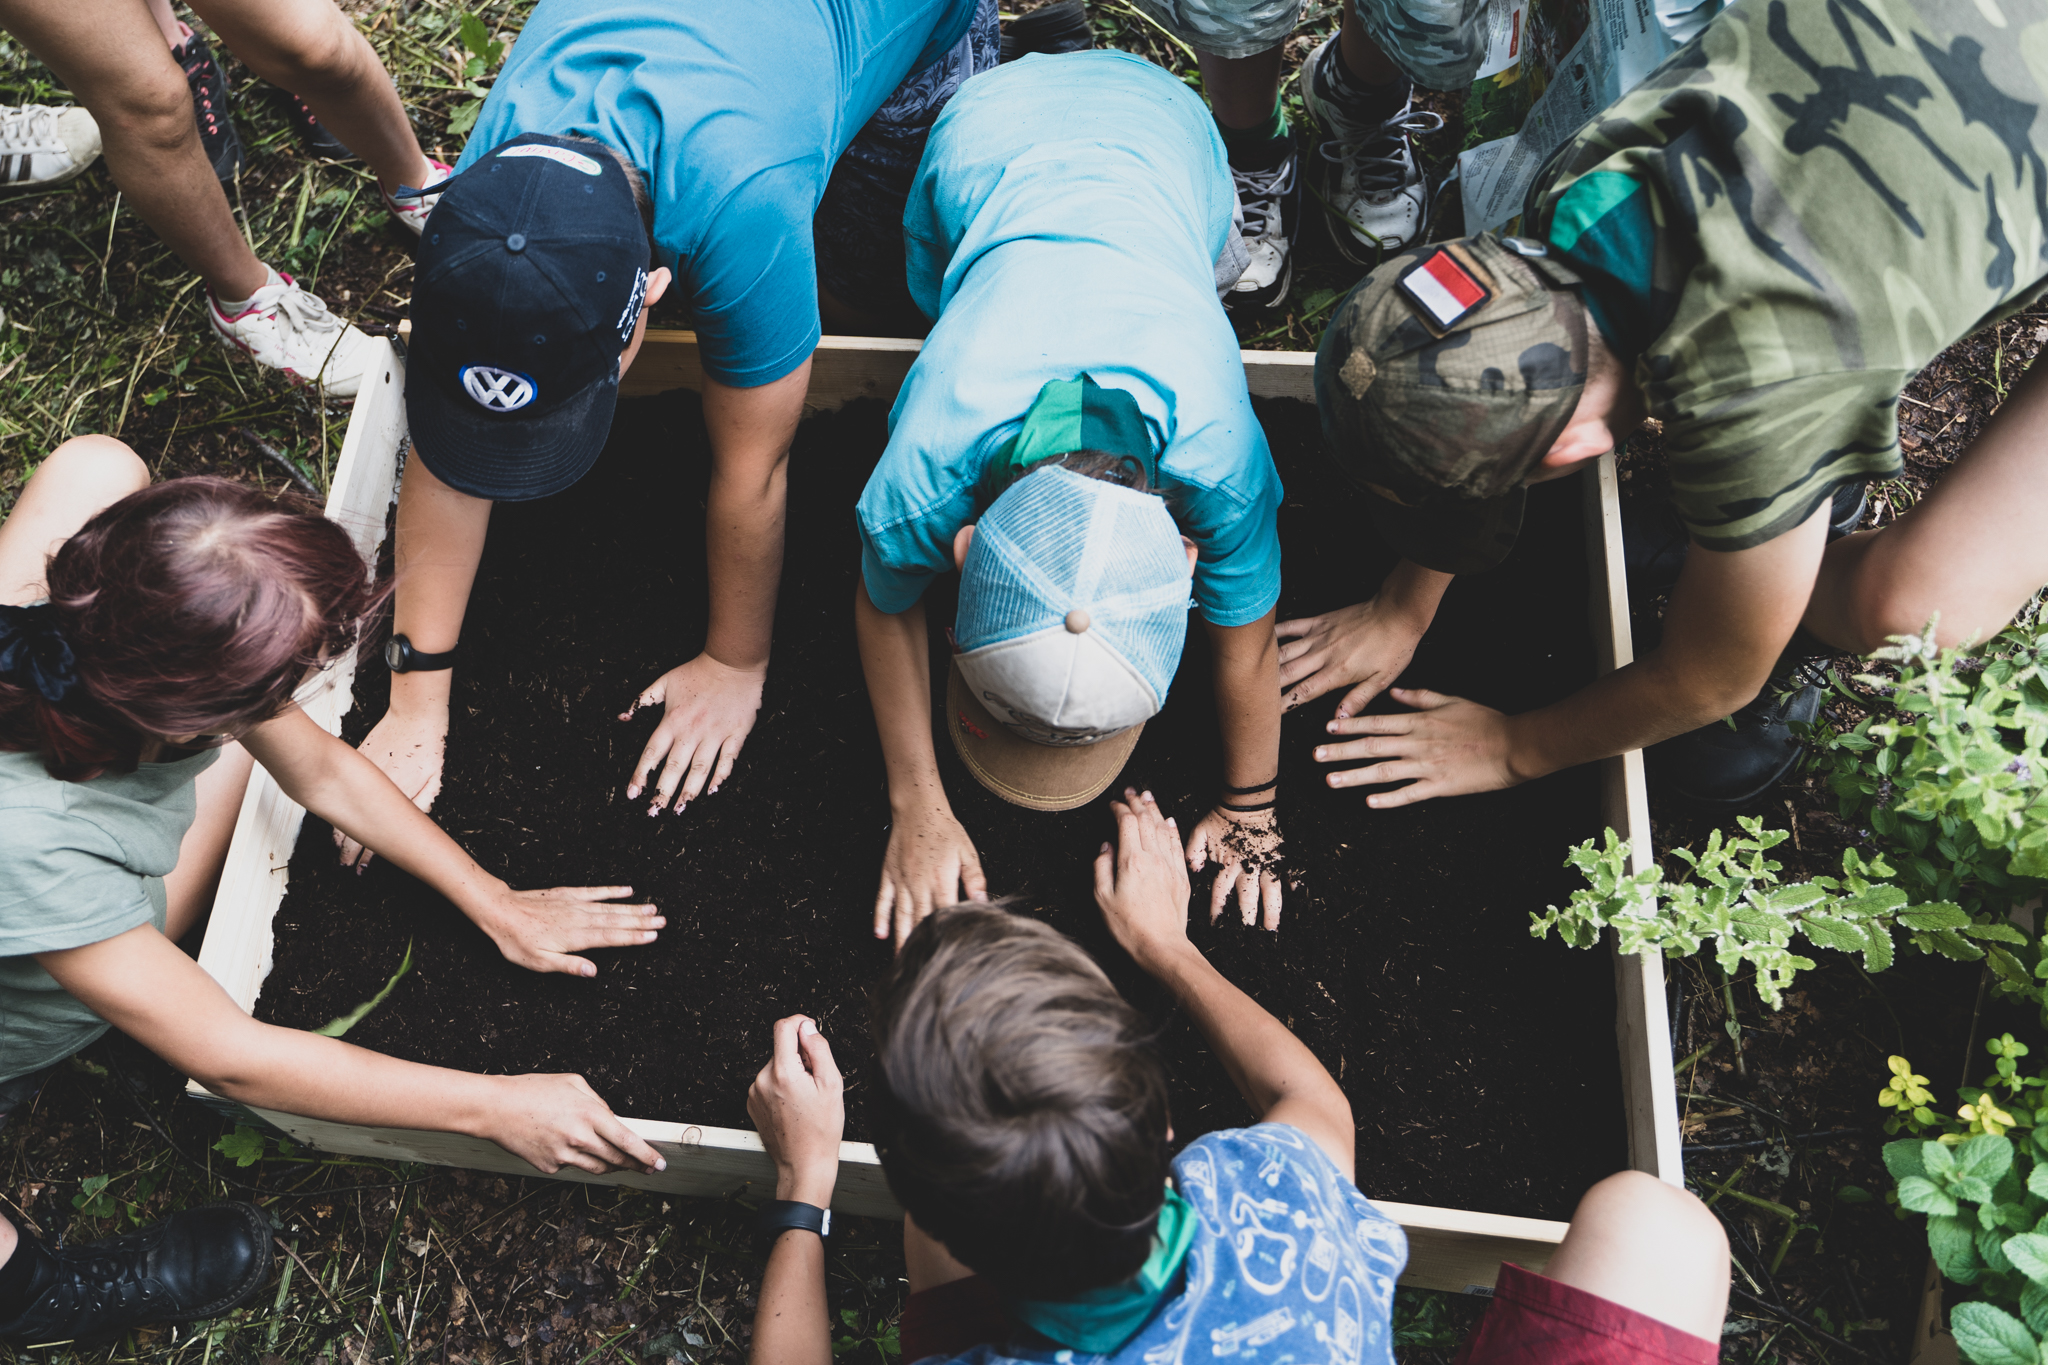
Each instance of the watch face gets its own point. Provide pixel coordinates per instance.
(394, 654)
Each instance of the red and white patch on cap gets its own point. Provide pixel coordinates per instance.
(1443, 290)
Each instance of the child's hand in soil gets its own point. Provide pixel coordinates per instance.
(410, 750)
(1446, 746)
(709, 712)
(930, 864)
(1245, 846)
(552, 1121)
(1364, 647)
(798, 1105)
(542, 930)
(1142, 883)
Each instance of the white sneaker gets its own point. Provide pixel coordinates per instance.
(1272, 207)
(288, 329)
(412, 213)
(43, 145)
(1370, 179)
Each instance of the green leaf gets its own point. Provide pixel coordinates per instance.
(2037, 1180)
(1853, 1194)
(1984, 1157)
(2028, 1253)
(1903, 1158)
(1878, 951)
(335, 1028)
(464, 117)
(2034, 1308)
(1922, 1195)
(1934, 915)
(1992, 1336)
(1824, 931)
(1951, 944)
(1954, 1246)
(244, 1146)
(1998, 933)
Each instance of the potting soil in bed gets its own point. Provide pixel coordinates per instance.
(1480, 1063)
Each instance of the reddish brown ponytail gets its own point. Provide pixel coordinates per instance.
(194, 606)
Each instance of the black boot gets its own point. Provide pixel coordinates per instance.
(195, 1264)
(313, 134)
(1061, 27)
(210, 106)
(1730, 763)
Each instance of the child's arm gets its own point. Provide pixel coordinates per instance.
(709, 703)
(143, 985)
(539, 930)
(931, 862)
(439, 540)
(797, 1104)
(1247, 671)
(1142, 887)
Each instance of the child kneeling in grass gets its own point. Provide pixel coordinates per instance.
(151, 639)
(1027, 1137)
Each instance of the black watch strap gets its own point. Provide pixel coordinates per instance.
(778, 1216)
(401, 657)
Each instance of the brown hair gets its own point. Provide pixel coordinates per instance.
(1121, 470)
(1025, 1110)
(634, 178)
(193, 606)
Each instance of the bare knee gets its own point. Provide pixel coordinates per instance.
(1671, 1216)
(101, 464)
(311, 58)
(1650, 1247)
(152, 114)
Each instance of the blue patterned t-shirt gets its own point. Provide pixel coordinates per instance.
(1290, 1264)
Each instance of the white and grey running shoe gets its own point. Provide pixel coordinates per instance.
(288, 329)
(1272, 215)
(43, 145)
(1371, 186)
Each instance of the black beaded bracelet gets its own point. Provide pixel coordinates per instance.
(1248, 791)
(1256, 805)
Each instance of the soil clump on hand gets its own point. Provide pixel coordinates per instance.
(1481, 1064)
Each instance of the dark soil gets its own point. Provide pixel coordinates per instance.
(1481, 1063)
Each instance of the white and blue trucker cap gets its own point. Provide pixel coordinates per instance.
(1073, 608)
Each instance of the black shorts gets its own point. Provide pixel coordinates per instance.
(858, 230)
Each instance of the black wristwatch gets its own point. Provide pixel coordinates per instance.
(401, 657)
(778, 1216)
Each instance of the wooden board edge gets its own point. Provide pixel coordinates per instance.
(1642, 1009)
(236, 949)
(844, 368)
(1455, 1249)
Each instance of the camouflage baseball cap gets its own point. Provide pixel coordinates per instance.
(1445, 375)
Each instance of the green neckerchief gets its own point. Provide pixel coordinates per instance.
(1077, 414)
(1102, 1320)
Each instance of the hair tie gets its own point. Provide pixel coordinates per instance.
(34, 653)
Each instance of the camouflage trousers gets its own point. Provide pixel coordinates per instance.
(1438, 44)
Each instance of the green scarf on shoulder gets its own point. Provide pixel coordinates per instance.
(1102, 1320)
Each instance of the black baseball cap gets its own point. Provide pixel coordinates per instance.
(532, 274)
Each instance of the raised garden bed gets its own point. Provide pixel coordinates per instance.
(1474, 1056)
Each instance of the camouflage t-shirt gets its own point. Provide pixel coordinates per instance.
(1792, 216)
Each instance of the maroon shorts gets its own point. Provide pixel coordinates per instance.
(1538, 1321)
(1532, 1321)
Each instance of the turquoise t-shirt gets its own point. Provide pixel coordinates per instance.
(79, 862)
(1066, 220)
(735, 113)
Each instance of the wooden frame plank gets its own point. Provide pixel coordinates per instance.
(1642, 1022)
(1452, 1249)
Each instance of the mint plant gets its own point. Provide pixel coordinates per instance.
(1731, 895)
(485, 52)
(1981, 1179)
(1945, 769)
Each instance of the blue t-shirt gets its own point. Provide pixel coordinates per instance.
(735, 113)
(1290, 1265)
(1066, 220)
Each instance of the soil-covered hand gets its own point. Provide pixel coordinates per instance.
(798, 1104)
(410, 749)
(542, 930)
(930, 864)
(552, 1121)
(1446, 746)
(1245, 846)
(1364, 647)
(1142, 883)
(710, 709)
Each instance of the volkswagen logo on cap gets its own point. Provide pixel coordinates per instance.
(498, 390)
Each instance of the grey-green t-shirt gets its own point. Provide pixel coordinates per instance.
(79, 862)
